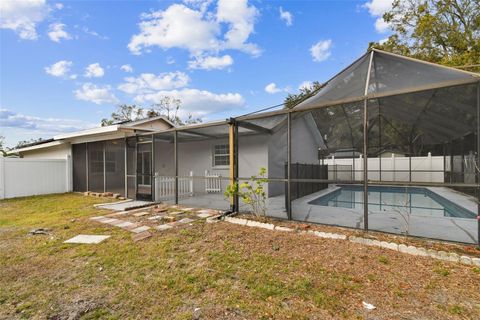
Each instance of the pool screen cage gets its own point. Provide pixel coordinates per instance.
(388, 144)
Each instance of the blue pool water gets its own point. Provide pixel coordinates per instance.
(414, 200)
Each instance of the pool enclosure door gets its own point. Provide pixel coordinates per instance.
(144, 170)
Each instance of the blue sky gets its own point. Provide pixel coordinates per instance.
(65, 65)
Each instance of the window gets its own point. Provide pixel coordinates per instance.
(221, 155)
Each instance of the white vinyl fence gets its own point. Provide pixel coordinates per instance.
(394, 168)
(26, 177)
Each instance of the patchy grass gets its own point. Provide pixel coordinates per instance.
(227, 271)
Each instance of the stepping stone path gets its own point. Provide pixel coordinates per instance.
(142, 224)
(88, 239)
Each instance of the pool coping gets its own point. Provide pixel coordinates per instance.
(448, 194)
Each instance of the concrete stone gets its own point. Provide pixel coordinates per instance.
(442, 255)
(453, 257)
(140, 229)
(117, 223)
(185, 220)
(141, 214)
(284, 229)
(163, 227)
(466, 260)
(238, 221)
(203, 215)
(87, 239)
(402, 248)
(175, 213)
(126, 224)
(169, 218)
(141, 236)
(388, 245)
(416, 251)
(97, 218)
(359, 240)
(256, 224)
(476, 262)
(157, 217)
(108, 220)
(433, 254)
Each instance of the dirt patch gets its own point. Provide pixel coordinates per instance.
(462, 249)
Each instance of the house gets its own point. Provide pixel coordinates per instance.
(137, 159)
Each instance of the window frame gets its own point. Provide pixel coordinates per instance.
(216, 155)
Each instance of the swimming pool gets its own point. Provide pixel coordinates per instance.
(414, 200)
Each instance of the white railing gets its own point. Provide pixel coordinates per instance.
(165, 187)
(213, 183)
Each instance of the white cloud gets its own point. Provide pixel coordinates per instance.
(94, 70)
(377, 8)
(178, 26)
(198, 103)
(305, 84)
(286, 16)
(127, 68)
(11, 119)
(272, 88)
(59, 69)
(96, 94)
(321, 50)
(56, 32)
(23, 16)
(149, 82)
(59, 6)
(241, 19)
(198, 30)
(210, 63)
(382, 41)
(170, 60)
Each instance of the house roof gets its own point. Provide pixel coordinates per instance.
(129, 126)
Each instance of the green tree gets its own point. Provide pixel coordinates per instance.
(3, 148)
(124, 113)
(169, 107)
(24, 143)
(305, 92)
(441, 31)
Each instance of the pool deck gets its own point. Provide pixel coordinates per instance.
(444, 228)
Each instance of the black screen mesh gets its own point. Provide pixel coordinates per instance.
(95, 167)
(79, 159)
(115, 166)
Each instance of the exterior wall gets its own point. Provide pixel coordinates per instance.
(26, 177)
(55, 152)
(304, 150)
(197, 156)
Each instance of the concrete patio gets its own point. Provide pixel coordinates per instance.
(442, 228)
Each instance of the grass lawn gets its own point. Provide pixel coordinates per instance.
(225, 270)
